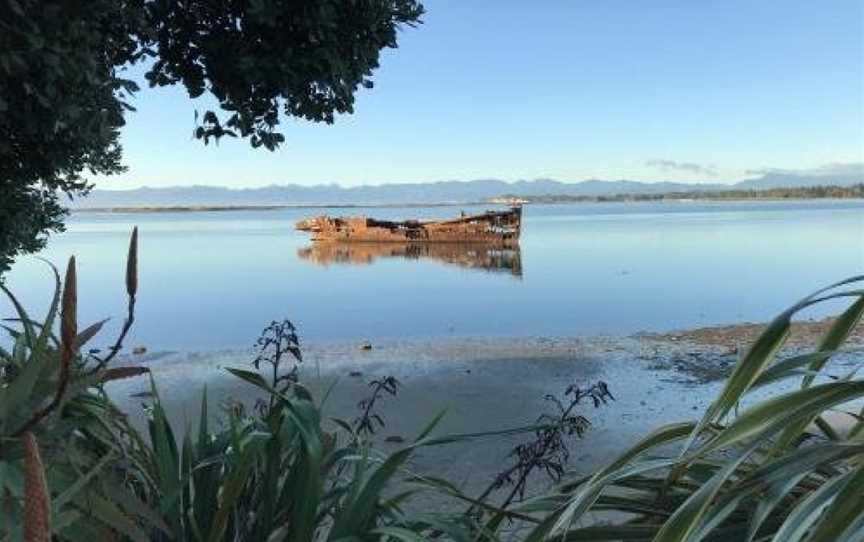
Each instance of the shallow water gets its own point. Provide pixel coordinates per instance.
(212, 280)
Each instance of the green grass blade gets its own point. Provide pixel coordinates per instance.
(109, 514)
(69, 493)
(837, 335)
(802, 461)
(585, 495)
(799, 522)
(234, 482)
(844, 512)
(45, 333)
(746, 372)
(167, 462)
(762, 353)
(688, 517)
(29, 330)
(833, 339)
(399, 533)
(611, 533)
(431, 425)
(87, 335)
(775, 414)
(792, 366)
(357, 516)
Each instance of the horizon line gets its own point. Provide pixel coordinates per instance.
(337, 185)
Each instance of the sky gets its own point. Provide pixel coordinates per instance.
(704, 91)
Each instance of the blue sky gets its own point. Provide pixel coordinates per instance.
(572, 89)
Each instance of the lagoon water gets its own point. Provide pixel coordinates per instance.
(212, 280)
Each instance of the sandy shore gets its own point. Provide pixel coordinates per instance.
(484, 385)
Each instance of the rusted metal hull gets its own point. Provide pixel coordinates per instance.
(491, 227)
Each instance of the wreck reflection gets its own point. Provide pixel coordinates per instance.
(479, 256)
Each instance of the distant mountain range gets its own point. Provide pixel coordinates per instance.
(429, 193)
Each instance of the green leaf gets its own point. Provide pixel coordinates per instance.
(775, 414)
(45, 333)
(108, 513)
(844, 512)
(688, 517)
(91, 331)
(431, 425)
(232, 487)
(746, 372)
(399, 533)
(797, 524)
(837, 335)
(762, 353)
(771, 499)
(17, 393)
(833, 339)
(585, 496)
(60, 501)
(167, 461)
(251, 377)
(29, 331)
(791, 366)
(306, 493)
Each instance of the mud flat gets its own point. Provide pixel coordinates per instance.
(488, 384)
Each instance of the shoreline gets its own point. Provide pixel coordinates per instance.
(145, 209)
(264, 207)
(484, 384)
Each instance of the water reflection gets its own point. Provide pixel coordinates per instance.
(595, 269)
(479, 256)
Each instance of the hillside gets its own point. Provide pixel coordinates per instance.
(437, 192)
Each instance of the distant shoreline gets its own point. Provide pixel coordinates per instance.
(221, 208)
(542, 200)
(827, 192)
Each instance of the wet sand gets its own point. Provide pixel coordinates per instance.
(484, 385)
(738, 336)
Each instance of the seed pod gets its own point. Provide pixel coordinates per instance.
(37, 502)
(68, 313)
(132, 265)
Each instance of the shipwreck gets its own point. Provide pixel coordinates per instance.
(492, 227)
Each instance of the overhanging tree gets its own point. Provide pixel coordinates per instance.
(63, 95)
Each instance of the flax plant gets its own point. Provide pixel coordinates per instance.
(748, 470)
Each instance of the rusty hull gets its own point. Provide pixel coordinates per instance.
(491, 227)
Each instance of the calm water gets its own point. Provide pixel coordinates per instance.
(212, 280)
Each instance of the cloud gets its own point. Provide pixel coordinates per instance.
(834, 168)
(689, 167)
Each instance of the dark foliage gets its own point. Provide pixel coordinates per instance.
(63, 95)
(549, 451)
(366, 422)
(278, 340)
